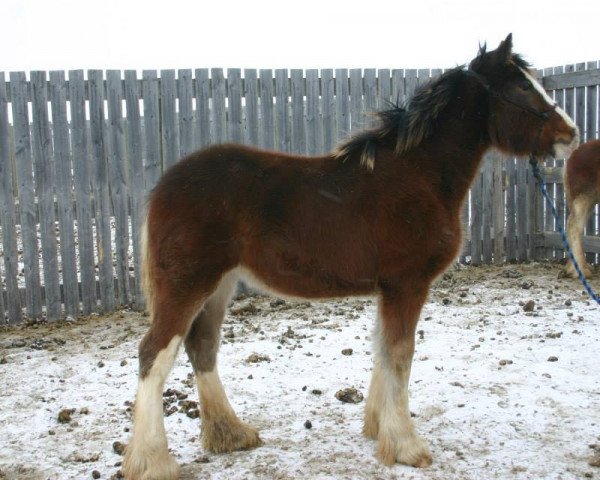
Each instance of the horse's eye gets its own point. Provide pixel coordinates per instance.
(525, 85)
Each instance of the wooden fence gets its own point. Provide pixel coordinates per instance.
(78, 156)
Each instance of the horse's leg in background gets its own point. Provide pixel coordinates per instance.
(580, 208)
(387, 416)
(221, 430)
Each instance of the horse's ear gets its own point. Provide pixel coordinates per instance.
(504, 50)
(482, 48)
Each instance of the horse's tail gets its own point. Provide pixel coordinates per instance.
(146, 270)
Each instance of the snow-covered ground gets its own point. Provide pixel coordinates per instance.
(498, 392)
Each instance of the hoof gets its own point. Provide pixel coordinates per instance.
(149, 465)
(409, 451)
(572, 273)
(223, 436)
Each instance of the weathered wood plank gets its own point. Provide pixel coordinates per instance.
(591, 243)
(370, 96)
(282, 110)
(153, 161)
(591, 106)
(82, 175)
(511, 210)
(43, 162)
(559, 98)
(314, 131)
(203, 135)
(398, 87)
(328, 109)
(27, 208)
(234, 94)
(423, 76)
(499, 213)
(298, 117)
(591, 124)
(547, 221)
(136, 169)
(410, 82)
(186, 112)
(219, 119)
(168, 116)
(385, 88)
(8, 217)
(266, 133)
(571, 79)
(522, 210)
(251, 96)
(99, 154)
(64, 191)
(487, 207)
(357, 110)
(342, 105)
(476, 219)
(118, 183)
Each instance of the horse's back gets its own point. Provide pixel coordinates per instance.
(582, 170)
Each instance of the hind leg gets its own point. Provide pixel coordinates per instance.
(580, 210)
(221, 430)
(147, 456)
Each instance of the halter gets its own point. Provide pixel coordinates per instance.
(543, 116)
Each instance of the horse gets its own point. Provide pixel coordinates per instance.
(378, 216)
(582, 185)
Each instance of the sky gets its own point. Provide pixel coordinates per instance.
(150, 34)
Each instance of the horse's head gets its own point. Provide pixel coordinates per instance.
(522, 118)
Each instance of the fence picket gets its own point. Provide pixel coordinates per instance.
(153, 164)
(186, 113)
(357, 111)
(168, 114)
(251, 97)
(136, 172)
(328, 109)
(298, 118)
(44, 185)
(476, 219)
(234, 95)
(342, 106)
(118, 182)
(219, 119)
(498, 208)
(314, 129)
(82, 171)
(282, 111)
(27, 208)
(101, 190)
(203, 136)
(8, 217)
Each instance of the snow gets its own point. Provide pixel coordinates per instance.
(483, 416)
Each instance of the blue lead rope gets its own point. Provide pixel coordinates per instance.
(567, 248)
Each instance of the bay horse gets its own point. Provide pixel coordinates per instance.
(378, 216)
(582, 185)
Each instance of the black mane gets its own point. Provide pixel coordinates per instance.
(414, 122)
(411, 123)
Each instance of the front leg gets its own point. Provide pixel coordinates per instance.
(387, 416)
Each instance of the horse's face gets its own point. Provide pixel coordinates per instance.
(523, 118)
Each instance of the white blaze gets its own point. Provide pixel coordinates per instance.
(561, 150)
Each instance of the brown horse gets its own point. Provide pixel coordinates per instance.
(582, 184)
(379, 216)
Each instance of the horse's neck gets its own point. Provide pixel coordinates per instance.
(456, 152)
